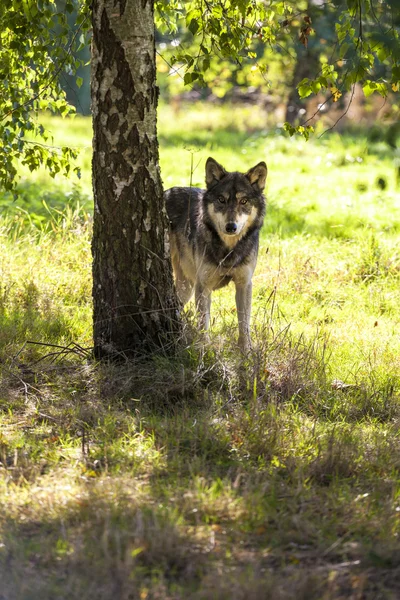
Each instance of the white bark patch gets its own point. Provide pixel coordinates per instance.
(124, 232)
(154, 169)
(112, 138)
(119, 185)
(147, 222)
(148, 264)
(142, 291)
(137, 236)
(107, 82)
(116, 95)
(167, 246)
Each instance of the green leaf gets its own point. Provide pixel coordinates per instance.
(396, 73)
(343, 49)
(193, 26)
(206, 63)
(289, 128)
(369, 88)
(305, 88)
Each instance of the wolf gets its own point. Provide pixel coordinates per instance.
(214, 237)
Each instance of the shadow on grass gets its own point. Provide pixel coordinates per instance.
(174, 534)
(196, 477)
(96, 539)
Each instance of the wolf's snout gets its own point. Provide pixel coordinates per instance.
(231, 228)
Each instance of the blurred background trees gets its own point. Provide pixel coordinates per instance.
(247, 52)
(283, 54)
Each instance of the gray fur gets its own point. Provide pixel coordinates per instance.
(214, 238)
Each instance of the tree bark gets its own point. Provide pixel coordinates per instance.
(134, 300)
(306, 66)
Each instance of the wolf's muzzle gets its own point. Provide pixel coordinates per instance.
(231, 228)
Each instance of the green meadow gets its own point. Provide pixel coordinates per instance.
(209, 475)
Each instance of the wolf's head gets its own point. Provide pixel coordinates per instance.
(234, 202)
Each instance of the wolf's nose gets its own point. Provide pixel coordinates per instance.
(230, 228)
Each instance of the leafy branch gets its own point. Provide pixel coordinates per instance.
(36, 46)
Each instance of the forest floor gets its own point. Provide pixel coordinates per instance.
(209, 475)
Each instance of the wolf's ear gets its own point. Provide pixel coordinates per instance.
(214, 172)
(257, 176)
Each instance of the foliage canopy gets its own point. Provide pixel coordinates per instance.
(37, 45)
(361, 39)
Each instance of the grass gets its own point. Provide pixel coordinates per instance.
(205, 476)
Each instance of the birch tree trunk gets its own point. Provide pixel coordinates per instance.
(134, 300)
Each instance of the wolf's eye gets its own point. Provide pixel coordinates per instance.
(221, 199)
(244, 201)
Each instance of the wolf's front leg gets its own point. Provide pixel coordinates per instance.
(203, 305)
(243, 307)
